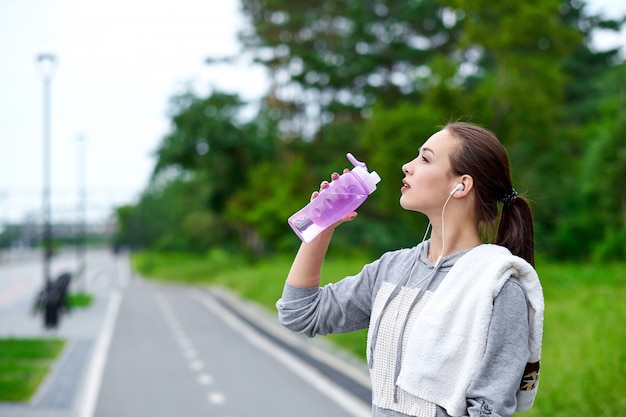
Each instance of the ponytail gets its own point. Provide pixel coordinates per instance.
(516, 230)
(480, 154)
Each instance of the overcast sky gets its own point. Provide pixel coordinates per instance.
(119, 62)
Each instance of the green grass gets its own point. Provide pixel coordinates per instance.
(79, 300)
(584, 349)
(24, 363)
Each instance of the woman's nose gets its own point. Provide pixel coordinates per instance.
(405, 168)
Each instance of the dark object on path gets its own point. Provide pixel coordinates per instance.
(52, 300)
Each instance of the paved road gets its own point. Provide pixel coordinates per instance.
(21, 278)
(163, 350)
(70, 381)
(174, 353)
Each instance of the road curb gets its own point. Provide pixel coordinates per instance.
(318, 348)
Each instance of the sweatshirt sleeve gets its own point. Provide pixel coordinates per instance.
(341, 307)
(493, 391)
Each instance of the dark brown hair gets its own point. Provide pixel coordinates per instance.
(481, 155)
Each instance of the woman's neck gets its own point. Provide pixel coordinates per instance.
(456, 240)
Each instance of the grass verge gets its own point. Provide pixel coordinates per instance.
(79, 300)
(24, 363)
(584, 360)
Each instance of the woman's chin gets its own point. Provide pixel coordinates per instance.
(404, 204)
(409, 205)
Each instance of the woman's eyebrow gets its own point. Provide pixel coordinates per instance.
(424, 149)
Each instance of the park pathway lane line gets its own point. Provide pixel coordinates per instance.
(93, 379)
(145, 374)
(344, 399)
(148, 365)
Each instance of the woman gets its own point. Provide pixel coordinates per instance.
(455, 325)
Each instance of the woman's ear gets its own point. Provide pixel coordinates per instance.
(468, 184)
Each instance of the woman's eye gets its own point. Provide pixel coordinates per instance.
(424, 159)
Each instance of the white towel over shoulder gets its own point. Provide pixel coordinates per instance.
(449, 337)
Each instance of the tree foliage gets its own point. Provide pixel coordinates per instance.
(376, 78)
(331, 59)
(600, 207)
(208, 140)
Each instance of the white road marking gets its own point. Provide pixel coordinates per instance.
(344, 399)
(216, 398)
(99, 357)
(196, 365)
(187, 349)
(190, 353)
(205, 379)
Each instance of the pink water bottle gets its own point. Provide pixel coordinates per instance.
(341, 198)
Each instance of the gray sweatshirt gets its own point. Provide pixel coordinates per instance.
(385, 297)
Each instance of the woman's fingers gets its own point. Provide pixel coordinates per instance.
(350, 216)
(325, 184)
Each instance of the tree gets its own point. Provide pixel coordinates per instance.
(208, 140)
(521, 69)
(331, 59)
(208, 157)
(169, 216)
(376, 78)
(602, 177)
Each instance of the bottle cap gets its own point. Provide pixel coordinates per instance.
(370, 179)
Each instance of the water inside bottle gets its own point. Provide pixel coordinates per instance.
(328, 208)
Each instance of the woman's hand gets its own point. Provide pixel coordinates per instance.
(306, 268)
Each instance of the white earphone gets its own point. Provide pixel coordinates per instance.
(459, 187)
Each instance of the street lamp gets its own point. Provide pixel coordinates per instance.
(46, 64)
(81, 235)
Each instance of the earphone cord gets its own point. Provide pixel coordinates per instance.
(394, 293)
(426, 232)
(443, 229)
(430, 278)
(396, 290)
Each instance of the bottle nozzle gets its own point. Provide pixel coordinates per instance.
(369, 179)
(354, 161)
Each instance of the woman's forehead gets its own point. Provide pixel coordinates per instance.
(439, 142)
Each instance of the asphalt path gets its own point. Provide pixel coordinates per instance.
(177, 351)
(21, 279)
(149, 349)
(71, 386)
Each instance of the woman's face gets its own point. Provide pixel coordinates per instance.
(428, 178)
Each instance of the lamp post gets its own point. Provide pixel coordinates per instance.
(5, 221)
(81, 235)
(46, 64)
